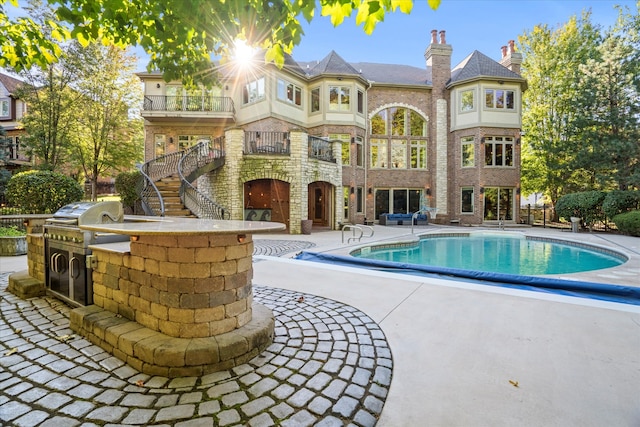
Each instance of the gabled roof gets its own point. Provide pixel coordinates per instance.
(477, 65)
(10, 83)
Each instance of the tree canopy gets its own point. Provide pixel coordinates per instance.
(581, 117)
(182, 36)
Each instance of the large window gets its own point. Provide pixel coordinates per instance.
(345, 138)
(499, 98)
(315, 100)
(5, 110)
(398, 154)
(253, 91)
(339, 98)
(379, 123)
(187, 141)
(378, 153)
(468, 152)
(418, 155)
(402, 131)
(159, 143)
(359, 152)
(466, 201)
(397, 200)
(498, 151)
(466, 100)
(289, 92)
(360, 200)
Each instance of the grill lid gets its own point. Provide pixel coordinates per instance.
(81, 213)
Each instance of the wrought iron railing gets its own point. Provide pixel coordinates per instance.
(267, 143)
(152, 171)
(162, 166)
(216, 104)
(150, 197)
(320, 149)
(197, 160)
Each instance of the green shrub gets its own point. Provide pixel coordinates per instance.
(618, 201)
(586, 205)
(127, 187)
(42, 191)
(628, 223)
(11, 232)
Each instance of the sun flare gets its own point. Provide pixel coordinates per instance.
(242, 52)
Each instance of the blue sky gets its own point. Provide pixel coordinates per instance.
(470, 25)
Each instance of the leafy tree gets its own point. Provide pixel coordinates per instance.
(52, 102)
(107, 137)
(610, 153)
(181, 35)
(550, 119)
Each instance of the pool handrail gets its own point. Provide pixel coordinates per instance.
(359, 228)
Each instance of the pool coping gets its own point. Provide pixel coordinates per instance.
(625, 274)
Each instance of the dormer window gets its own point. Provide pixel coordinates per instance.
(499, 99)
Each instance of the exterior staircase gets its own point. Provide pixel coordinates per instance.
(166, 187)
(169, 188)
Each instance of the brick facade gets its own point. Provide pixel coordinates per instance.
(433, 99)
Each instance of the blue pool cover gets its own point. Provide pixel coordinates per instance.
(600, 291)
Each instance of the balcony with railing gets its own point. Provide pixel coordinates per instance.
(320, 149)
(202, 106)
(269, 143)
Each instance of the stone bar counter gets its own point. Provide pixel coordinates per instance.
(176, 300)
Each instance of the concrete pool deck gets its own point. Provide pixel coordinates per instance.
(474, 355)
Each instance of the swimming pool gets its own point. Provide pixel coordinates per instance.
(500, 253)
(548, 283)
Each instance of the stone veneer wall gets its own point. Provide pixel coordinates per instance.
(182, 286)
(226, 185)
(35, 249)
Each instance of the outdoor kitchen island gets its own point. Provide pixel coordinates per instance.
(176, 300)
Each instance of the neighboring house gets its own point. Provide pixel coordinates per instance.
(11, 111)
(337, 142)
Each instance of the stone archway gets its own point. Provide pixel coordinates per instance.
(267, 200)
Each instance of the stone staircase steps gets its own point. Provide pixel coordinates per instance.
(170, 190)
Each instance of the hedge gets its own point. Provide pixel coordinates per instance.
(586, 205)
(40, 191)
(628, 223)
(127, 187)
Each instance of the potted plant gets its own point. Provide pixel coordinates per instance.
(12, 241)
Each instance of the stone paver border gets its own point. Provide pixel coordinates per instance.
(329, 364)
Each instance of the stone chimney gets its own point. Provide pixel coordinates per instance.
(510, 58)
(438, 57)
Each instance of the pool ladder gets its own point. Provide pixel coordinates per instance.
(358, 232)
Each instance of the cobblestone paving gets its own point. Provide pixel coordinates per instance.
(279, 247)
(329, 365)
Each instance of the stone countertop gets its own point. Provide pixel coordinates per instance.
(140, 226)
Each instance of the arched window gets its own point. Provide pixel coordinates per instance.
(398, 139)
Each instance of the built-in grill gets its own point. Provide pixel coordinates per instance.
(68, 269)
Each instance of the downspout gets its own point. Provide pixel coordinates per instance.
(365, 157)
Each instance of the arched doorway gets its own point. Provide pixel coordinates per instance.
(320, 203)
(266, 200)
